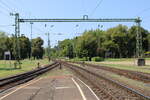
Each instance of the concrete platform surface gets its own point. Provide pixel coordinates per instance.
(51, 88)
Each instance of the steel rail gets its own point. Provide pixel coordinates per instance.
(21, 78)
(140, 95)
(144, 77)
(7, 78)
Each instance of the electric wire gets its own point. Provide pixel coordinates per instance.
(143, 11)
(17, 8)
(144, 19)
(6, 25)
(4, 8)
(84, 7)
(98, 4)
(36, 28)
(4, 13)
(6, 5)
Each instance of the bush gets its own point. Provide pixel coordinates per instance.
(81, 59)
(97, 59)
(147, 54)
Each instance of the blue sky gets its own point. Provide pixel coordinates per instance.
(70, 9)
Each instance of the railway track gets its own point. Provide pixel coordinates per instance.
(105, 88)
(144, 77)
(12, 81)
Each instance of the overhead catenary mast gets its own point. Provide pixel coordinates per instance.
(139, 54)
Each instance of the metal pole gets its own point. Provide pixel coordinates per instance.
(99, 40)
(18, 37)
(48, 50)
(31, 41)
(17, 42)
(74, 49)
(49, 47)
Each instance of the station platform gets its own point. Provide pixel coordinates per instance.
(51, 88)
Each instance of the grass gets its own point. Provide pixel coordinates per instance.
(27, 65)
(132, 83)
(123, 59)
(138, 85)
(126, 64)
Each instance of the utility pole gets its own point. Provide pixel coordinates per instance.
(31, 41)
(74, 49)
(17, 42)
(49, 47)
(99, 27)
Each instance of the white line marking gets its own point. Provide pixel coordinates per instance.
(62, 87)
(19, 88)
(89, 89)
(81, 92)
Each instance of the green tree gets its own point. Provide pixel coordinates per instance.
(25, 47)
(87, 45)
(119, 36)
(65, 46)
(5, 44)
(110, 48)
(119, 41)
(37, 49)
(69, 52)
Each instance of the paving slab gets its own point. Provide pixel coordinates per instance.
(51, 88)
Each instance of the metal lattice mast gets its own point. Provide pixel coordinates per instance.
(17, 35)
(139, 51)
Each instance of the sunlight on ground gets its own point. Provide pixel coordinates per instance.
(7, 68)
(126, 64)
(131, 62)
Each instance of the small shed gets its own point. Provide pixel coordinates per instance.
(7, 55)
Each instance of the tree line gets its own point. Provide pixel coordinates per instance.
(9, 43)
(116, 42)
